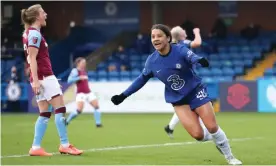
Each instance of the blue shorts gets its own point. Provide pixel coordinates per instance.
(196, 98)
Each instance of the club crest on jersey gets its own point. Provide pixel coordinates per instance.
(178, 66)
(35, 39)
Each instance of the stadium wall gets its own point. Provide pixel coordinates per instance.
(236, 96)
(205, 14)
(174, 13)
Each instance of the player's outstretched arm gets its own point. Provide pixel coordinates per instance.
(197, 40)
(73, 77)
(138, 83)
(192, 58)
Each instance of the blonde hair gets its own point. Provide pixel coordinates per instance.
(176, 34)
(28, 16)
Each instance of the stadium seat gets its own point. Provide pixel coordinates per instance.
(214, 57)
(135, 64)
(236, 57)
(144, 58)
(135, 73)
(245, 49)
(216, 72)
(224, 56)
(92, 75)
(125, 74)
(226, 63)
(204, 72)
(207, 79)
(223, 78)
(102, 74)
(248, 56)
(222, 49)
(238, 63)
(256, 48)
(238, 70)
(215, 64)
(248, 62)
(268, 72)
(228, 71)
(234, 49)
(135, 58)
(114, 79)
(113, 74)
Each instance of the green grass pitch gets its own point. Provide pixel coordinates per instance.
(139, 139)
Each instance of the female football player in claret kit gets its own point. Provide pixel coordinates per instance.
(44, 83)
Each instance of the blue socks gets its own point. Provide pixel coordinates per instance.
(40, 128)
(72, 116)
(61, 127)
(97, 117)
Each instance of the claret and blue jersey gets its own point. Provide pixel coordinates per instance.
(174, 70)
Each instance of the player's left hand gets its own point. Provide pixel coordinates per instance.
(204, 62)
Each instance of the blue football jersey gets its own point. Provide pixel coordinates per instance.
(174, 70)
(187, 43)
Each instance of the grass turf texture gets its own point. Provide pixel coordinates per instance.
(140, 129)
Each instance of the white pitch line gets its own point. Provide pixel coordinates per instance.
(139, 146)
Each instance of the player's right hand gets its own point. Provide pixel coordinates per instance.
(83, 77)
(118, 99)
(36, 87)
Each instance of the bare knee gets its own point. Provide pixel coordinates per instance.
(213, 128)
(95, 104)
(198, 135)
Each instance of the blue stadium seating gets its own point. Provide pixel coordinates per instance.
(216, 72)
(228, 71)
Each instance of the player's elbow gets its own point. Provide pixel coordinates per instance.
(196, 44)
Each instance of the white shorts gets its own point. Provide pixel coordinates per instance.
(50, 88)
(82, 97)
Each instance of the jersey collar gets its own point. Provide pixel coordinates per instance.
(167, 53)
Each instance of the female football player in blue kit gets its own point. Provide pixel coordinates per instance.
(179, 36)
(172, 65)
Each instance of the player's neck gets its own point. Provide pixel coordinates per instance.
(165, 51)
(36, 26)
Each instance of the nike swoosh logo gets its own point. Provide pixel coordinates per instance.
(158, 71)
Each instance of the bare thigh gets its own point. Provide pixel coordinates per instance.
(189, 121)
(95, 103)
(206, 113)
(43, 106)
(57, 102)
(80, 105)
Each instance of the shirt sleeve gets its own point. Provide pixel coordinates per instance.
(189, 55)
(187, 43)
(140, 81)
(73, 77)
(34, 38)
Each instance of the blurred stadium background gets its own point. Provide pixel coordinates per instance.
(239, 39)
